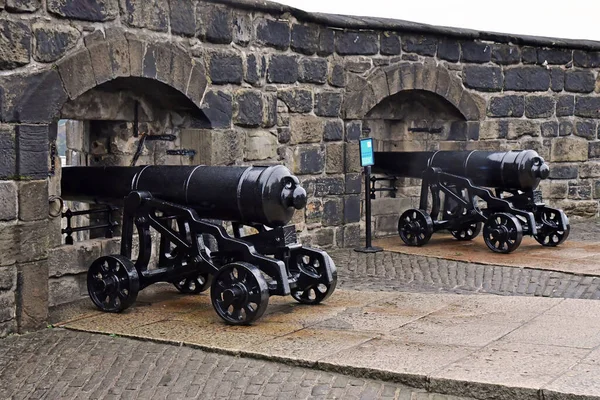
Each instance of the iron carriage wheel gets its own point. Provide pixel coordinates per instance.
(549, 235)
(239, 293)
(194, 285)
(502, 233)
(468, 231)
(113, 283)
(310, 270)
(415, 227)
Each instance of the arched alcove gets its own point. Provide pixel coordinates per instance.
(412, 120)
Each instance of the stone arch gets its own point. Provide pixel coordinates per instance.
(363, 94)
(37, 98)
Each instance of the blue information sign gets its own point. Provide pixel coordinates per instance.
(366, 152)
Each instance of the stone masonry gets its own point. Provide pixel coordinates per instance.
(252, 82)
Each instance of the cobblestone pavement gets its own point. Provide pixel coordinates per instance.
(390, 271)
(403, 272)
(57, 363)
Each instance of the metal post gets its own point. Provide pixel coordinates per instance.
(368, 247)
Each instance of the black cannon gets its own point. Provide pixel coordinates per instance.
(181, 203)
(459, 182)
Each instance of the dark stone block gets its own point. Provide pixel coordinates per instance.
(358, 66)
(351, 209)
(149, 61)
(323, 237)
(502, 129)
(586, 59)
(248, 108)
(588, 107)
(52, 43)
(334, 130)
(354, 183)
(270, 101)
(225, 68)
(15, 41)
(252, 76)
(554, 56)
(22, 5)
(311, 161)
(32, 151)
(305, 39)
(326, 42)
(360, 43)
(563, 172)
(352, 236)
(242, 28)
(410, 57)
(565, 106)
(528, 79)
(529, 55)
(328, 104)
(586, 129)
(338, 76)
(218, 23)
(579, 81)
(218, 108)
(475, 52)
(507, 106)
(549, 129)
(283, 69)
(333, 212)
(539, 106)
(580, 192)
(35, 98)
(183, 17)
(488, 79)
(420, 44)
(273, 33)
(594, 150)
(353, 131)
(329, 186)
(313, 70)
(565, 128)
(284, 135)
(297, 100)
(389, 44)
(557, 76)
(449, 50)
(8, 153)
(150, 14)
(473, 130)
(458, 131)
(89, 10)
(505, 54)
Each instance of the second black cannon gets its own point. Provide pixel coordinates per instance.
(463, 191)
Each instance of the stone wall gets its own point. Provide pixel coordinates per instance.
(275, 85)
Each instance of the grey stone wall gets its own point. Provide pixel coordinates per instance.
(274, 86)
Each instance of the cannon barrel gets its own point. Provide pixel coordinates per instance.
(266, 195)
(517, 169)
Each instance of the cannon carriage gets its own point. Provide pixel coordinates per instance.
(465, 191)
(196, 253)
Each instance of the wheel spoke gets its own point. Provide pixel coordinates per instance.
(225, 304)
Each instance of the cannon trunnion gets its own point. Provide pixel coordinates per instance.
(196, 253)
(461, 191)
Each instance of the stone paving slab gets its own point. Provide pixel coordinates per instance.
(479, 346)
(573, 256)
